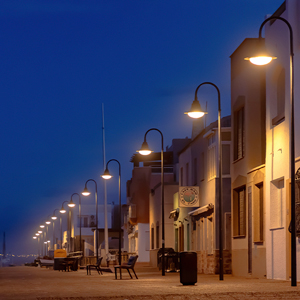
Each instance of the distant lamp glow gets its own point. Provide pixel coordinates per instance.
(48, 241)
(40, 231)
(86, 192)
(37, 234)
(196, 111)
(106, 174)
(34, 237)
(71, 203)
(54, 217)
(144, 149)
(48, 222)
(42, 226)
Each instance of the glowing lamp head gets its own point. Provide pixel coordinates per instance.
(144, 149)
(48, 222)
(106, 174)
(37, 234)
(42, 226)
(260, 56)
(71, 203)
(53, 217)
(196, 111)
(260, 60)
(34, 237)
(85, 192)
(40, 231)
(62, 210)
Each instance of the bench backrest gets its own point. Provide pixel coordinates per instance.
(132, 260)
(99, 261)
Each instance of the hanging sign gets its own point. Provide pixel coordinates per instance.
(189, 196)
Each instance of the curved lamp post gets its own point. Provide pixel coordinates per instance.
(54, 218)
(197, 113)
(40, 236)
(146, 151)
(86, 192)
(72, 204)
(262, 59)
(106, 175)
(62, 211)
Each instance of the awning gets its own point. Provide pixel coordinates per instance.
(201, 210)
(174, 213)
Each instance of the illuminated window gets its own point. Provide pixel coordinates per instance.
(239, 212)
(239, 134)
(210, 241)
(276, 203)
(258, 214)
(187, 174)
(211, 157)
(280, 95)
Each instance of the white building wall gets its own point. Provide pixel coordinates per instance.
(278, 140)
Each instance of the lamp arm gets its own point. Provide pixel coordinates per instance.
(115, 161)
(286, 22)
(162, 137)
(210, 83)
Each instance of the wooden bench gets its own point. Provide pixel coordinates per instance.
(128, 266)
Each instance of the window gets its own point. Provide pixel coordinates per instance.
(147, 240)
(195, 167)
(201, 168)
(211, 161)
(176, 240)
(187, 174)
(239, 212)
(258, 214)
(202, 236)
(157, 236)
(276, 201)
(239, 134)
(280, 98)
(225, 159)
(152, 237)
(210, 230)
(181, 176)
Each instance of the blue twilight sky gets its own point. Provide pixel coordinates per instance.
(143, 59)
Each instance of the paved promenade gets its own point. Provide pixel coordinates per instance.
(45, 284)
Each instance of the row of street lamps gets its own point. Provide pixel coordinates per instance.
(261, 58)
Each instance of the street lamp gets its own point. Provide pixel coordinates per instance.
(87, 193)
(38, 242)
(264, 59)
(62, 211)
(54, 218)
(197, 113)
(106, 175)
(146, 151)
(72, 204)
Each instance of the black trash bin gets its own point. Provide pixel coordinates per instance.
(188, 268)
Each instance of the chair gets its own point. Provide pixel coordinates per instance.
(97, 266)
(128, 266)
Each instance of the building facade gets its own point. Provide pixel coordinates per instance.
(248, 201)
(196, 228)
